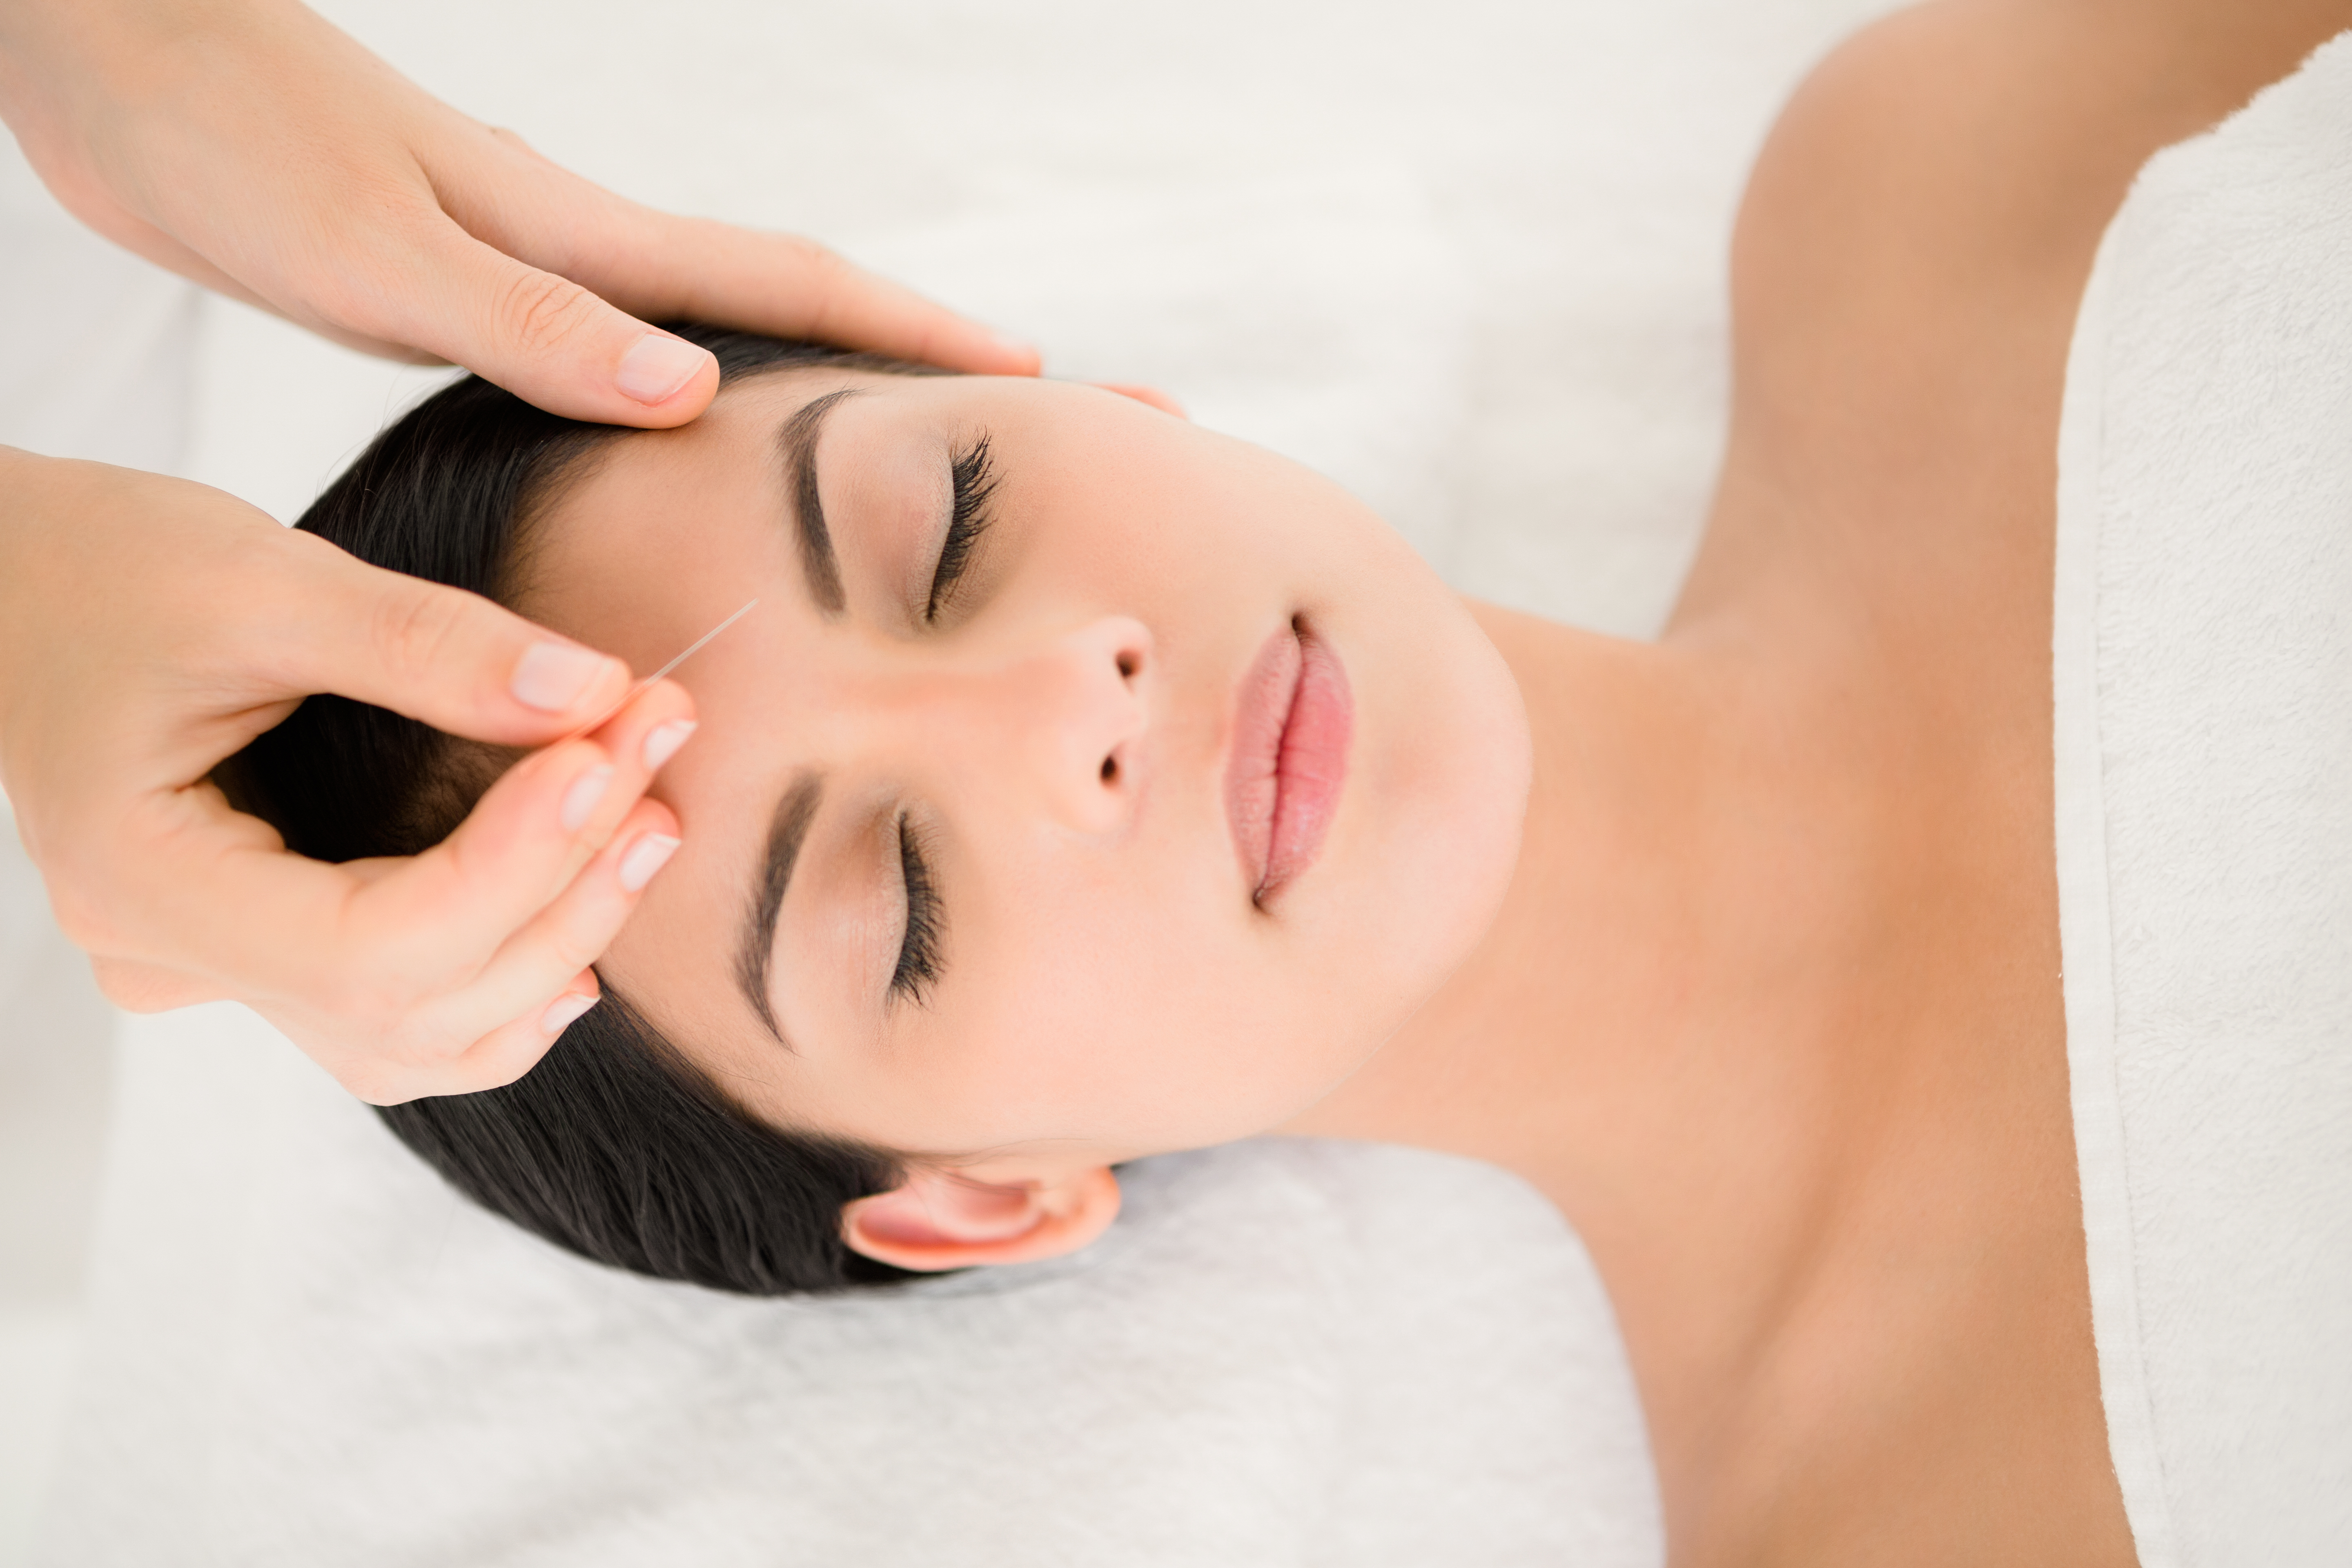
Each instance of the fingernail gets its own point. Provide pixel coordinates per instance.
(553, 676)
(646, 857)
(663, 740)
(656, 366)
(580, 800)
(563, 1012)
(1015, 346)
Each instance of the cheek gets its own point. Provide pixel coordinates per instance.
(1136, 1004)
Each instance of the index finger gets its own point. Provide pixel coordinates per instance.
(441, 656)
(382, 935)
(795, 288)
(659, 267)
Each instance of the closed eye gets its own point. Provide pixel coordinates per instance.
(919, 948)
(973, 479)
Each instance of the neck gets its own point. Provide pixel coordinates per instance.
(1643, 1032)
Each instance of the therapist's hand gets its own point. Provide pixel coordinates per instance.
(150, 628)
(250, 146)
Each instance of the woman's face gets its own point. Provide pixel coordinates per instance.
(1085, 784)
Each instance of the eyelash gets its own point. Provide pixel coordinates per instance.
(918, 952)
(974, 480)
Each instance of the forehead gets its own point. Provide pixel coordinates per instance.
(743, 421)
(650, 511)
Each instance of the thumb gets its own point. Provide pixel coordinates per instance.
(544, 338)
(440, 655)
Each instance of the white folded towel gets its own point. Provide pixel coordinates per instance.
(2204, 785)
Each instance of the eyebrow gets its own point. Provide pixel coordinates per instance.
(787, 830)
(798, 440)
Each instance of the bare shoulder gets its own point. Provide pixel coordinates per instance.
(1953, 164)
(1909, 256)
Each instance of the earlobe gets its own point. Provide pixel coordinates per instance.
(1141, 393)
(939, 1219)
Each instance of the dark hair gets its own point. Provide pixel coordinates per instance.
(615, 1146)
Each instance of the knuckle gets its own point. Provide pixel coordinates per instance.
(577, 945)
(367, 1080)
(377, 1085)
(473, 866)
(499, 861)
(416, 630)
(391, 1052)
(819, 259)
(541, 311)
(584, 925)
(826, 278)
(848, 306)
(501, 1059)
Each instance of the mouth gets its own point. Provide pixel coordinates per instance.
(1290, 759)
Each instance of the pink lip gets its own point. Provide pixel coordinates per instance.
(1289, 758)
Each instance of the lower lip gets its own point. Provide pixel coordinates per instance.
(1289, 758)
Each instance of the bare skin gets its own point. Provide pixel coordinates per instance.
(1773, 1008)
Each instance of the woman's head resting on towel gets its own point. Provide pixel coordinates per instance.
(980, 736)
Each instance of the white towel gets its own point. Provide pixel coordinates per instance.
(2204, 783)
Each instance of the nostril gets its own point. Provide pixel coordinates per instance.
(1111, 770)
(1128, 665)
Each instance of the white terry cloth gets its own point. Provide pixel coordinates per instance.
(2203, 670)
(1290, 1352)
(1469, 260)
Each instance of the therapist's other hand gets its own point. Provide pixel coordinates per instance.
(254, 148)
(150, 628)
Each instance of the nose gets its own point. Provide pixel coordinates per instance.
(1064, 723)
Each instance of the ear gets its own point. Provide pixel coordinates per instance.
(1150, 395)
(939, 1219)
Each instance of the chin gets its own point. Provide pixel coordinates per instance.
(1466, 805)
(1417, 872)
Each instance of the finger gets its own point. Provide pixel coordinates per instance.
(663, 266)
(453, 907)
(150, 988)
(447, 657)
(572, 933)
(543, 338)
(790, 287)
(1151, 396)
(384, 936)
(543, 962)
(512, 1049)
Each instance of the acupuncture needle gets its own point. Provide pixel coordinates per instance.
(641, 687)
